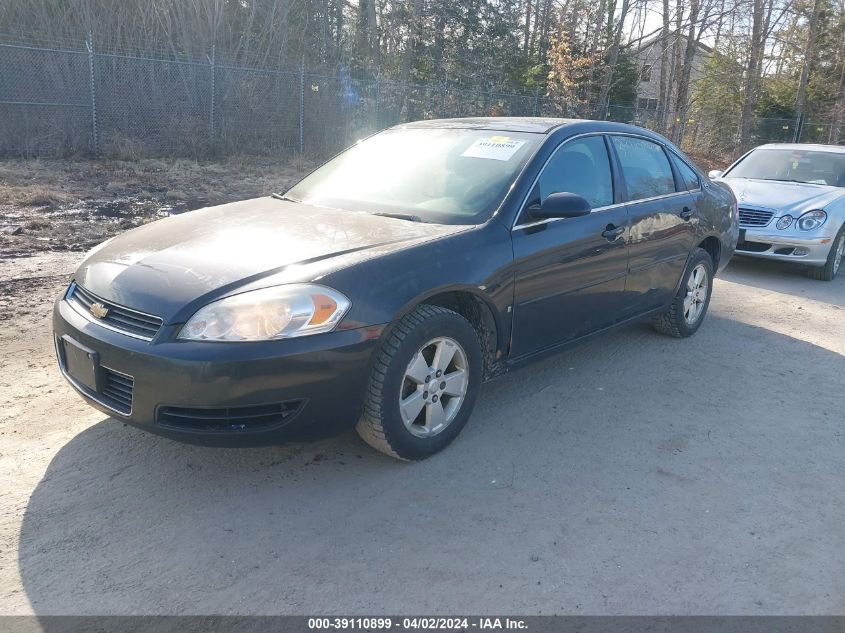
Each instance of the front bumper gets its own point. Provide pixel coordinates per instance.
(786, 246)
(182, 388)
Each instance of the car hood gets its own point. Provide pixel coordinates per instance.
(783, 197)
(170, 266)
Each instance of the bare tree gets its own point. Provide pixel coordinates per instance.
(809, 56)
(753, 69)
(664, 66)
(836, 129)
(612, 59)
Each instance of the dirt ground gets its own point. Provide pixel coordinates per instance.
(85, 202)
(633, 475)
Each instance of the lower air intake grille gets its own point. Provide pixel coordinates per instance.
(117, 388)
(232, 419)
(753, 247)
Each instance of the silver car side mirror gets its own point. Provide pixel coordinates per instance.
(714, 173)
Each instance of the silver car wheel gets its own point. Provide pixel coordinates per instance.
(840, 253)
(698, 286)
(434, 387)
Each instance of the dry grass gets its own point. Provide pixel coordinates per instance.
(177, 195)
(706, 162)
(55, 183)
(37, 225)
(33, 195)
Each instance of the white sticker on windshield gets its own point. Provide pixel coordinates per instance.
(494, 148)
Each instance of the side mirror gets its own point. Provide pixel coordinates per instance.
(561, 205)
(714, 173)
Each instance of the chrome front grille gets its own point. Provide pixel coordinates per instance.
(754, 217)
(117, 317)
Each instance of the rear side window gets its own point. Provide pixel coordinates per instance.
(688, 175)
(645, 167)
(580, 166)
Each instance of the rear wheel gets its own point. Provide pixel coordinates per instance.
(834, 259)
(423, 384)
(685, 314)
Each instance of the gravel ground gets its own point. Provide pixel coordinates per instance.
(633, 475)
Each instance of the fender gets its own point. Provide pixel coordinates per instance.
(501, 322)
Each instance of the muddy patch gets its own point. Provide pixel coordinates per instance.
(49, 206)
(80, 226)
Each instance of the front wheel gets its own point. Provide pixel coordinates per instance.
(685, 314)
(834, 259)
(423, 384)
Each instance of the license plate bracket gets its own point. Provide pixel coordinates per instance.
(81, 363)
(741, 236)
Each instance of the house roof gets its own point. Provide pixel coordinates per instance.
(673, 36)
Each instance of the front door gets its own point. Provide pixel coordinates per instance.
(570, 273)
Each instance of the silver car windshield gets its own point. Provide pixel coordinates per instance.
(793, 165)
(440, 175)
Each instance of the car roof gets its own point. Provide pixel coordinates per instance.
(839, 149)
(537, 125)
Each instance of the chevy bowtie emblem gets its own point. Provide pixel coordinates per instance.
(99, 310)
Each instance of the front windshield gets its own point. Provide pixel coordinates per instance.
(793, 165)
(441, 175)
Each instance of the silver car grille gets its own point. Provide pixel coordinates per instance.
(754, 217)
(119, 318)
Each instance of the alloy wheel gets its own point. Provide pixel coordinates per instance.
(840, 253)
(434, 387)
(698, 286)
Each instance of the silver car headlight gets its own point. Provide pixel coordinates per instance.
(784, 222)
(812, 220)
(270, 313)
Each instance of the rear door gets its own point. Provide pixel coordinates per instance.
(570, 273)
(662, 216)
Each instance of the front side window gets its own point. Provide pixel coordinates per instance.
(645, 167)
(582, 167)
(440, 175)
(792, 165)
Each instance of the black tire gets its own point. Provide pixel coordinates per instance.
(381, 424)
(672, 321)
(829, 271)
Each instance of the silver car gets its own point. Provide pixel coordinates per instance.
(791, 204)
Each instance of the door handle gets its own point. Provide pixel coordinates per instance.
(612, 233)
(686, 214)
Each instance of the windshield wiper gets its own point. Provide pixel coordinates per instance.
(401, 216)
(800, 182)
(398, 216)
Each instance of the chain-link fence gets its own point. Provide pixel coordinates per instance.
(66, 101)
(718, 133)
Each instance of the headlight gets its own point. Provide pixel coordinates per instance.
(269, 313)
(784, 222)
(812, 220)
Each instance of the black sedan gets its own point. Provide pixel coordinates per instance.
(387, 285)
